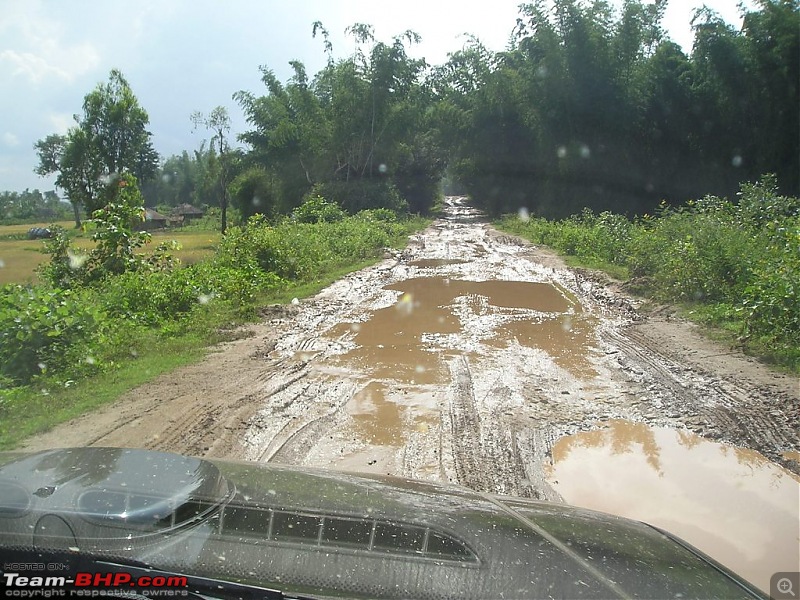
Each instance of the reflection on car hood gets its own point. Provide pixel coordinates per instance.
(56, 480)
(336, 534)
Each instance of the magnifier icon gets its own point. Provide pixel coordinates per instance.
(784, 586)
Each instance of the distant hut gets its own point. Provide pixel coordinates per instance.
(187, 212)
(152, 220)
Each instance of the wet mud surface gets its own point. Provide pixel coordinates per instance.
(470, 357)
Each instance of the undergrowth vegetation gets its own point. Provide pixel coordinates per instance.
(92, 305)
(733, 264)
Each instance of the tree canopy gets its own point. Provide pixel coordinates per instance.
(587, 107)
(110, 138)
(592, 108)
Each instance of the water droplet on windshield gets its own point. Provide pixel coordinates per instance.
(382, 168)
(585, 151)
(89, 360)
(256, 201)
(406, 304)
(76, 259)
(523, 214)
(2, 263)
(561, 152)
(566, 324)
(737, 160)
(205, 298)
(108, 178)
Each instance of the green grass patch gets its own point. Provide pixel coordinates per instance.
(21, 257)
(35, 408)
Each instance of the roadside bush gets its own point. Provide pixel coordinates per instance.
(294, 250)
(362, 194)
(48, 330)
(771, 301)
(155, 298)
(316, 209)
(741, 259)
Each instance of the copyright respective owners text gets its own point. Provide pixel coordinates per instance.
(785, 586)
(56, 580)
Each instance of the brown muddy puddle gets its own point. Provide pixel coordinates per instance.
(732, 503)
(382, 416)
(408, 341)
(400, 352)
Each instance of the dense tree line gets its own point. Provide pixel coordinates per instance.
(32, 205)
(359, 132)
(593, 108)
(588, 107)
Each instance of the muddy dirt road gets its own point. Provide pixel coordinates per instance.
(464, 358)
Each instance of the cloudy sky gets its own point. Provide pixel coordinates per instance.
(180, 56)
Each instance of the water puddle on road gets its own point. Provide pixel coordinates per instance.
(400, 352)
(567, 338)
(383, 417)
(732, 503)
(406, 341)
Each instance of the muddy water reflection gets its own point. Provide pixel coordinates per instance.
(406, 341)
(732, 503)
(380, 422)
(401, 351)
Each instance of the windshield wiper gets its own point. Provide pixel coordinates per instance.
(60, 568)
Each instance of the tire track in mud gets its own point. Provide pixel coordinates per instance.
(485, 453)
(741, 413)
(470, 465)
(297, 437)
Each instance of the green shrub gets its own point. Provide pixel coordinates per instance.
(741, 260)
(316, 209)
(48, 330)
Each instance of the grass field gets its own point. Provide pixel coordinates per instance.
(19, 256)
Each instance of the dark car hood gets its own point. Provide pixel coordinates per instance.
(373, 536)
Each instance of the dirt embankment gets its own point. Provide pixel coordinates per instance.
(461, 359)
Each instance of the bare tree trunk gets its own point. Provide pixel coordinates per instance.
(76, 211)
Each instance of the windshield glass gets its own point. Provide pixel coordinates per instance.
(545, 252)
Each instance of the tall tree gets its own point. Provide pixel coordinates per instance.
(110, 138)
(218, 122)
(359, 128)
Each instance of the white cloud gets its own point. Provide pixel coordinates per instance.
(36, 47)
(10, 140)
(26, 64)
